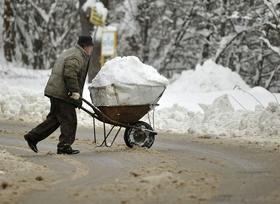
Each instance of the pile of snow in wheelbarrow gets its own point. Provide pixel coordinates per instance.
(241, 112)
(127, 81)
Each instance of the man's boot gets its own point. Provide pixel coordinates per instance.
(66, 149)
(31, 143)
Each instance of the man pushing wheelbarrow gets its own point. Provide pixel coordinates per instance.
(123, 92)
(64, 88)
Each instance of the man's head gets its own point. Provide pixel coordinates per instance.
(86, 43)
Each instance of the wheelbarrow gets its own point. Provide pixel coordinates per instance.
(137, 133)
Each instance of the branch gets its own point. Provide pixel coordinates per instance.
(272, 10)
(227, 44)
(179, 36)
(268, 82)
(273, 48)
(45, 16)
(21, 28)
(56, 41)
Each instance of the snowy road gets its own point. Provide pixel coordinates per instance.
(178, 169)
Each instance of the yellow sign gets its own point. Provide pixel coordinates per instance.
(95, 18)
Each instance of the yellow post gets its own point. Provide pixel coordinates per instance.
(95, 19)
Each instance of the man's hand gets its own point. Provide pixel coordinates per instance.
(75, 95)
(77, 100)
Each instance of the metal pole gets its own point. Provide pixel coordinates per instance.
(94, 132)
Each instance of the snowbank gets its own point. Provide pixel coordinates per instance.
(22, 94)
(220, 119)
(128, 70)
(209, 77)
(210, 108)
(210, 81)
(205, 102)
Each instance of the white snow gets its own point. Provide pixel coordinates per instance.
(203, 85)
(202, 101)
(208, 77)
(124, 81)
(205, 102)
(22, 94)
(99, 6)
(221, 119)
(128, 70)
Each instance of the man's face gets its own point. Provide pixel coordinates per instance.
(88, 50)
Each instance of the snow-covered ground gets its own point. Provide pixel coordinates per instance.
(213, 100)
(210, 100)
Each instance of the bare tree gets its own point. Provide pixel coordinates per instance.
(9, 31)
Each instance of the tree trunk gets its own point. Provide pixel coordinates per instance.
(86, 26)
(95, 64)
(9, 31)
(86, 29)
(145, 51)
(252, 2)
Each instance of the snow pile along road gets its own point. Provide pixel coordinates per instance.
(203, 102)
(209, 77)
(210, 81)
(22, 95)
(220, 119)
(189, 105)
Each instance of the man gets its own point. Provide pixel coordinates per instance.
(64, 88)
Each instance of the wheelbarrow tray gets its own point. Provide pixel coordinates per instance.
(125, 94)
(128, 114)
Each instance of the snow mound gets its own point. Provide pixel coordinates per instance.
(22, 95)
(127, 81)
(22, 103)
(218, 113)
(220, 119)
(128, 70)
(209, 77)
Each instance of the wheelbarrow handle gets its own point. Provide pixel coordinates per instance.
(101, 116)
(96, 112)
(88, 103)
(95, 109)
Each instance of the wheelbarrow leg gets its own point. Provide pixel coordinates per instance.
(114, 138)
(104, 142)
(94, 132)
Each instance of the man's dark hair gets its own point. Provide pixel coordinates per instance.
(85, 41)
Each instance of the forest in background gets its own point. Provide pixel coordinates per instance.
(171, 35)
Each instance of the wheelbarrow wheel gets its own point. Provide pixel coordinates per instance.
(138, 137)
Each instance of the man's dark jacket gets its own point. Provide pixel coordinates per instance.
(68, 74)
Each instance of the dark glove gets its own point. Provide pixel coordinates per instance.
(76, 99)
(78, 103)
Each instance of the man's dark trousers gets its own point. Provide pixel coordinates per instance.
(61, 114)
